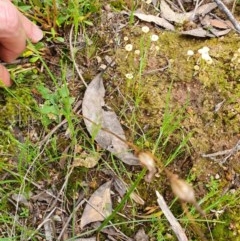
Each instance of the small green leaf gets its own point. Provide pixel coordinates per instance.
(34, 59)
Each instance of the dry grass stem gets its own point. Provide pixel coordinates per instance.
(73, 57)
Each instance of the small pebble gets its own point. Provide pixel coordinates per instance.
(217, 176)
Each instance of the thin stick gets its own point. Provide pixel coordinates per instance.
(181, 6)
(197, 5)
(228, 153)
(176, 227)
(224, 9)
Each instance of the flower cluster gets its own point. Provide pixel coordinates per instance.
(145, 29)
(204, 52)
(129, 47)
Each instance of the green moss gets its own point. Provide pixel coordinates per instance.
(119, 4)
(16, 111)
(228, 229)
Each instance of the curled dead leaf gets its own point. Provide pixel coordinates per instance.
(99, 205)
(102, 123)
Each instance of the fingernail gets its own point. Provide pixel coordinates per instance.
(37, 34)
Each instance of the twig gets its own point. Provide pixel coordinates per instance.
(17, 61)
(176, 227)
(181, 6)
(173, 5)
(228, 153)
(197, 5)
(158, 70)
(234, 5)
(73, 57)
(224, 9)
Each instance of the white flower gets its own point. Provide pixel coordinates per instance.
(129, 47)
(190, 52)
(129, 76)
(137, 52)
(203, 50)
(145, 29)
(125, 38)
(154, 38)
(206, 56)
(196, 67)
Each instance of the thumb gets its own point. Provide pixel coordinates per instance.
(5, 76)
(32, 31)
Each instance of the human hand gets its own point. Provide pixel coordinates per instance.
(15, 29)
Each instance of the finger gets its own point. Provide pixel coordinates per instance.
(5, 76)
(14, 31)
(32, 31)
(7, 52)
(12, 34)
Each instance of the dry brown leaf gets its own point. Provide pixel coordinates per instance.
(218, 33)
(168, 14)
(141, 235)
(21, 199)
(99, 118)
(206, 8)
(220, 24)
(99, 205)
(205, 21)
(198, 32)
(202, 33)
(152, 19)
(42, 196)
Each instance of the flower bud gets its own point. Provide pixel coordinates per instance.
(182, 189)
(147, 160)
